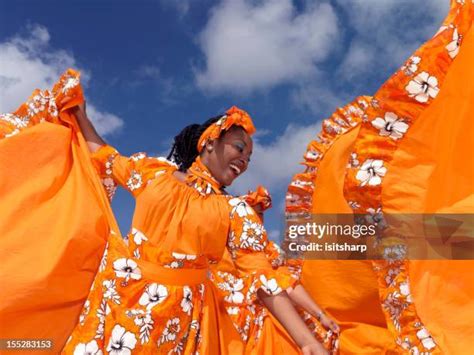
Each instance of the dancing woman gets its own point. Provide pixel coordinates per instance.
(152, 293)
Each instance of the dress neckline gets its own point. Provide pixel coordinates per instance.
(200, 178)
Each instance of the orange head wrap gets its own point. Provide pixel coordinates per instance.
(233, 116)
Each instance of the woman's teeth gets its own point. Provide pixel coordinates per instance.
(235, 169)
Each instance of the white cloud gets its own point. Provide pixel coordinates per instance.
(28, 62)
(274, 164)
(257, 45)
(385, 33)
(319, 96)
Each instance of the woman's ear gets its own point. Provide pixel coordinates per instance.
(210, 146)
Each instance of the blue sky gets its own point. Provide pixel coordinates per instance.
(150, 67)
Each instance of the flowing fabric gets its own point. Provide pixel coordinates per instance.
(347, 290)
(436, 159)
(55, 217)
(407, 156)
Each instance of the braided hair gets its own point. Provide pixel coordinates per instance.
(184, 150)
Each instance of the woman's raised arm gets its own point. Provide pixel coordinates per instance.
(93, 139)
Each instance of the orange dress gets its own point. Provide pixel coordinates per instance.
(402, 151)
(152, 292)
(258, 329)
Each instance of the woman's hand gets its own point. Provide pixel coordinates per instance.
(327, 322)
(79, 110)
(314, 348)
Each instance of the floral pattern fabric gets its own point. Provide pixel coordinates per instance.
(150, 292)
(237, 290)
(384, 120)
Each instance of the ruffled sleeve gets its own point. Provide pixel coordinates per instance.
(133, 173)
(247, 245)
(45, 106)
(260, 200)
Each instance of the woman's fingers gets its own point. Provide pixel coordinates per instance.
(328, 323)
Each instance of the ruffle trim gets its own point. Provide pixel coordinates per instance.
(395, 107)
(259, 199)
(45, 106)
(299, 196)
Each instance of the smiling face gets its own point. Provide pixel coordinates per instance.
(228, 157)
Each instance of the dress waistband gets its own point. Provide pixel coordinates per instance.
(169, 276)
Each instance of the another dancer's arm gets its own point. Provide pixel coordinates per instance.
(300, 296)
(132, 173)
(282, 308)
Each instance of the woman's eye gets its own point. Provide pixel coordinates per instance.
(239, 147)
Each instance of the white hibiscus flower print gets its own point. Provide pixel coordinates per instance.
(187, 301)
(180, 256)
(85, 312)
(391, 125)
(453, 46)
(422, 87)
(171, 330)
(69, 82)
(300, 183)
(353, 161)
(37, 104)
(394, 252)
(179, 348)
(371, 172)
(411, 66)
(240, 207)
(144, 321)
(375, 216)
(127, 269)
(111, 291)
(91, 348)
(136, 254)
(426, 338)
(391, 274)
(135, 181)
(312, 155)
(405, 291)
(251, 236)
(177, 264)
(270, 286)
(103, 261)
(234, 286)
(17, 121)
(53, 108)
(103, 310)
(122, 341)
(154, 294)
(138, 156)
(101, 313)
(233, 310)
(138, 237)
